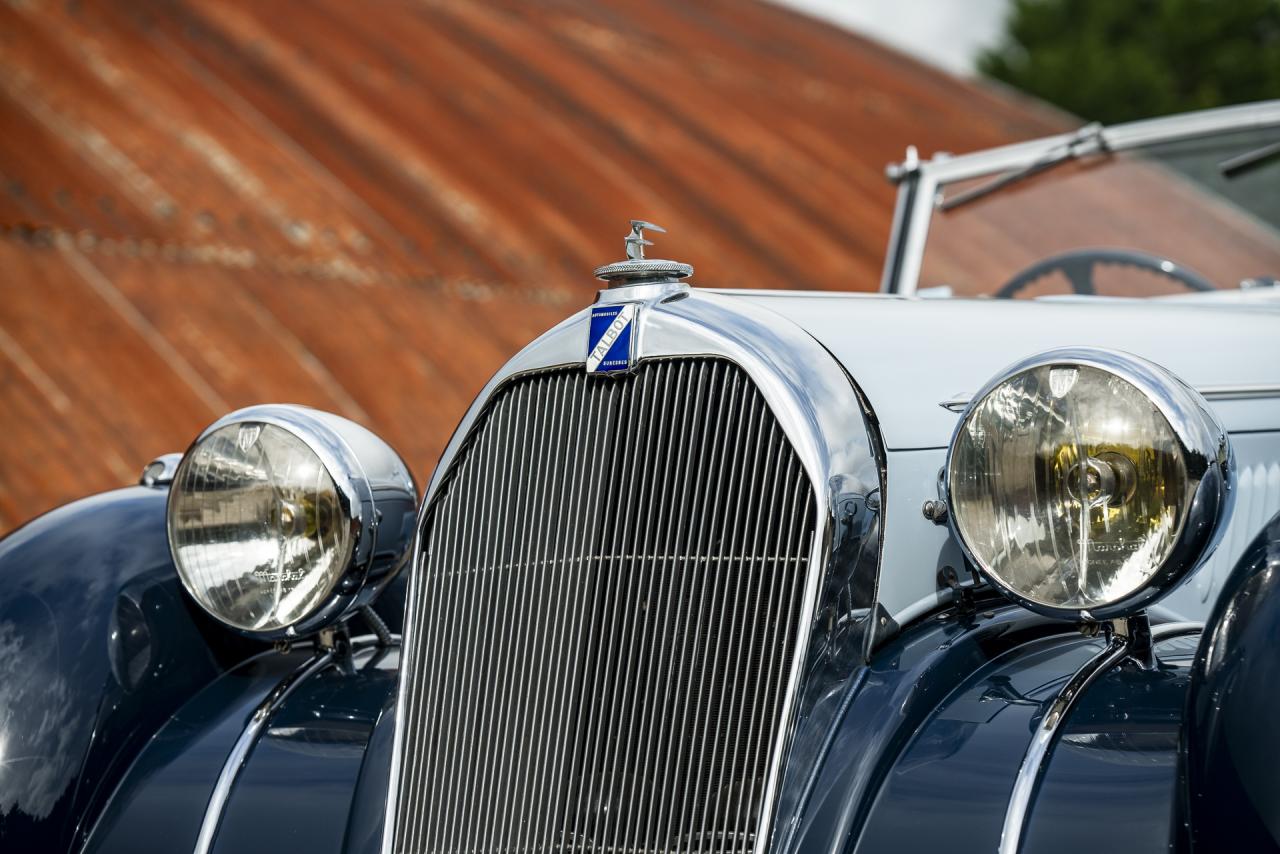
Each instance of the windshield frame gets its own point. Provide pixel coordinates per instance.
(921, 181)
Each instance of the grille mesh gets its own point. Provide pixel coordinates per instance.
(607, 609)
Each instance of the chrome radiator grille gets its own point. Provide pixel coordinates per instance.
(607, 608)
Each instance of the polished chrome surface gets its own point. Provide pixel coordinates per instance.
(1121, 137)
(897, 172)
(637, 269)
(623, 273)
(806, 388)
(645, 552)
(1209, 462)
(1090, 139)
(806, 391)
(1172, 630)
(919, 182)
(1032, 767)
(1209, 392)
(244, 744)
(1046, 733)
(1238, 392)
(159, 472)
(636, 241)
(376, 494)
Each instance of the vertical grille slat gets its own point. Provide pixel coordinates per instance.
(691, 787)
(722, 752)
(769, 675)
(606, 608)
(674, 601)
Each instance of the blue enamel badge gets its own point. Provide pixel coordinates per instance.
(610, 343)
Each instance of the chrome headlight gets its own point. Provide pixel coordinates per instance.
(1087, 482)
(283, 519)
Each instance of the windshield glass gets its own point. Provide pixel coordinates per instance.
(1159, 220)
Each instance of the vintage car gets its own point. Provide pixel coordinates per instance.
(728, 571)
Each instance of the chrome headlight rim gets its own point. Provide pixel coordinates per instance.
(1206, 452)
(321, 433)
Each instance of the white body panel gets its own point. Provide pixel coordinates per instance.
(908, 355)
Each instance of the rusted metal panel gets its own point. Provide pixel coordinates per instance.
(369, 208)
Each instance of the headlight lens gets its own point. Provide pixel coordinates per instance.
(1071, 488)
(258, 529)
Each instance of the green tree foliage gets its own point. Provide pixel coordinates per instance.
(1114, 60)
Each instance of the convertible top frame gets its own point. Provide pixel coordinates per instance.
(920, 180)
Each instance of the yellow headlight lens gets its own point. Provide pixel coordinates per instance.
(1068, 485)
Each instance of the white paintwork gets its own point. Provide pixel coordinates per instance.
(908, 354)
(914, 548)
(1257, 499)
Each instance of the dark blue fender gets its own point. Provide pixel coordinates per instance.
(109, 672)
(296, 790)
(1117, 761)
(121, 702)
(98, 647)
(931, 736)
(1231, 748)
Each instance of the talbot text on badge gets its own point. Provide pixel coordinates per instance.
(609, 344)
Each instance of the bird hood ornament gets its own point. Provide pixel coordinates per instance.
(639, 270)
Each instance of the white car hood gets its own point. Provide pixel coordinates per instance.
(909, 355)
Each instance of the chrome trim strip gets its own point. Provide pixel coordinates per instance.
(906, 178)
(1043, 739)
(1208, 392)
(1164, 631)
(1238, 392)
(248, 738)
(1121, 137)
(1024, 785)
(808, 392)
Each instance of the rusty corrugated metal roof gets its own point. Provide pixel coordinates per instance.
(368, 207)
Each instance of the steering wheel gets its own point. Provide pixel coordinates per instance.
(1078, 264)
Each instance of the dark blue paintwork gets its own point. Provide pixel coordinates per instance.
(369, 802)
(1231, 759)
(959, 767)
(901, 689)
(160, 804)
(295, 790)
(1116, 761)
(931, 737)
(98, 647)
(101, 649)
(123, 701)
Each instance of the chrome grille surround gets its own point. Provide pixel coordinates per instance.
(628, 694)
(817, 411)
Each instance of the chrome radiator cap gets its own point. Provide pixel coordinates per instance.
(639, 270)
